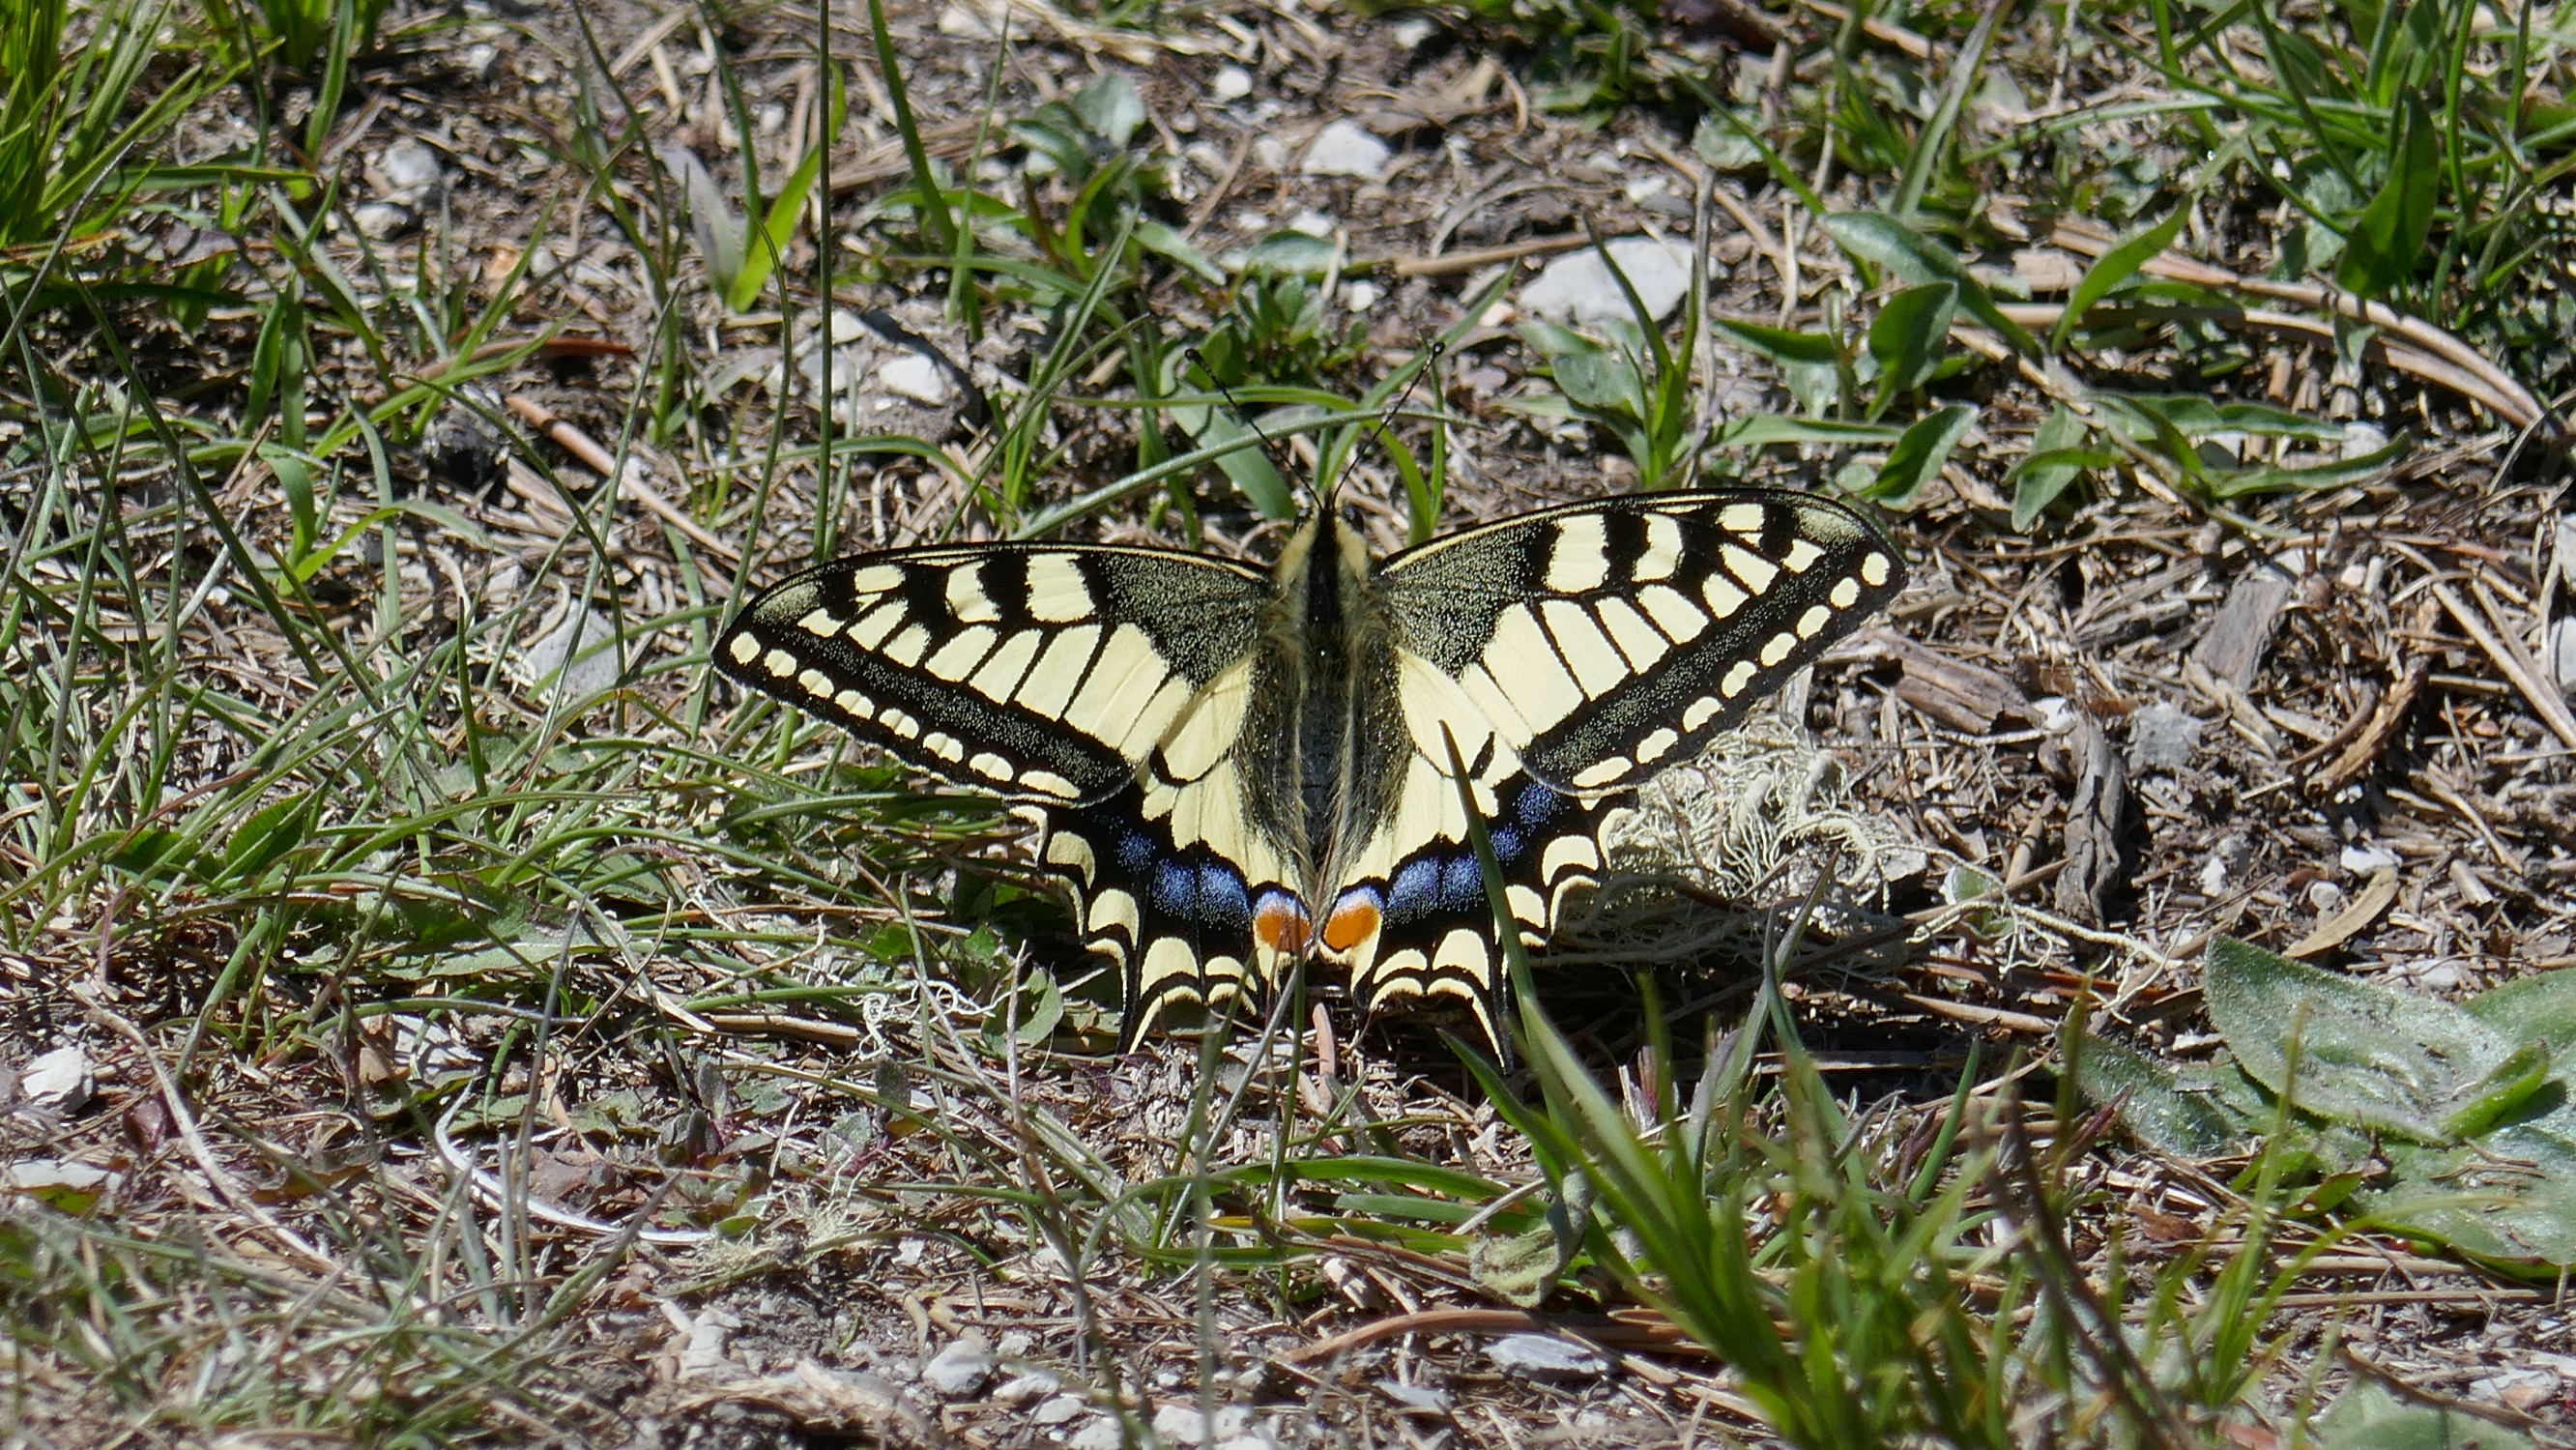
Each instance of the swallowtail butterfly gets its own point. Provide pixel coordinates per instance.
(1238, 769)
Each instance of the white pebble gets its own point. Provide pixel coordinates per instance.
(1232, 84)
(1578, 287)
(959, 1369)
(1345, 148)
(908, 374)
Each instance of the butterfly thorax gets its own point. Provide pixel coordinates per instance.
(1324, 703)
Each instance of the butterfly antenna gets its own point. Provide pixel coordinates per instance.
(1431, 354)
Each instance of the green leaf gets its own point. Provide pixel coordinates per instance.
(1919, 454)
(1290, 252)
(2404, 1065)
(1908, 336)
(2056, 459)
(767, 243)
(1111, 108)
(2236, 483)
(1782, 345)
(2172, 1111)
(1762, 430)
(2367, 1417)
(2114, 267)
(2382, 249)
(272, 831)
(1910, 256)
(2538, 1008)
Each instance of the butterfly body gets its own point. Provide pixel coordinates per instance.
(1239, 770)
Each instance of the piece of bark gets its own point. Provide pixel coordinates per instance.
(2097, 817)
(1960, 695)
(2233, 648)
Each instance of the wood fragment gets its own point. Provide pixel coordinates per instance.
(2097, 823)
(1955, 693)
(2233, 648)
(2375, 897)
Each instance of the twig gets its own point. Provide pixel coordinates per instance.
(2545, 702)
(633, 482)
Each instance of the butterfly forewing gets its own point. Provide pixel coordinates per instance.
(1604, 639)
(1039, 673)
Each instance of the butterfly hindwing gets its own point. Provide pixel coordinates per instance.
(1037, 672)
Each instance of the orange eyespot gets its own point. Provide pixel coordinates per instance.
(1279, 923)
(1354, 920)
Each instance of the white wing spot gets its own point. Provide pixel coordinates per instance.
(1059, 672)
(816, 683)
(1122, 683)
(1057, 594)
(1701, 711)
(1525, 665)
(1846, 593)
(1756, 571)
(907, 648)
(1568, 853)
(964, 651)
(1663, 549)
(876, 624)
(1047, 782)
(986, 763)
(944, 745)
(856, 703)
(1641, 642)
(1064, 848)
(780, 664)
(876, 578)
(1166, 958)
(1002, 673)
(1603, 772)
(1114, 910)
(1463, 949)
(1478, 683)
(1873, 568)
(1778, 648)
(820, 622)
(1579, 559)
(902, 724)
(1656, 745)
(1801, 557)
(1597, 664)
(1737, 678)
(744, 649)
(1741, 518)
(1723, 597)
(1813, 622)
(1672, 612)
(966, 597)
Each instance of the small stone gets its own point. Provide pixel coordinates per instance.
(1184, 1425)
(410, 165)
(1416, 1399)
(910, 375)
(1411, 31)
(557, 658)
(1101, 1434)
(2324, 897)
(2367, 860)
(2439, 977)
(2558, 659)
(1232, 84)
(1311, 223)
(1057, 1410)
(1269, 152)
(59, 1082)
(1345, 148)
(382, 220)
(1014, 1344)
(1022, 1388)
(1578, 287)
(2162, 737)
(704, 1351)
(463, 449)
(960, 1369)
(1545, 1356)
(1361, 296)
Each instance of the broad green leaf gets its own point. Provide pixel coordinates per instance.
(1910, 256)
(2057, 458)
(1111, 108)
(2537, 1008)
(1907, 338)
(2367, 1417)
(2171, 1110)
(2410, 1066)
(1917, 458)
(2382, 249)
(2114, 267)
(1291, 252)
